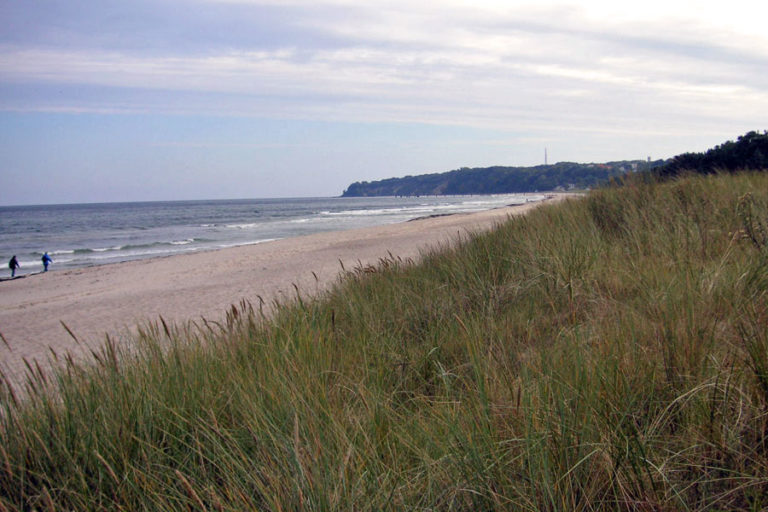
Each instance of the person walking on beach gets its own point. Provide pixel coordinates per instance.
(46, 260)
(13, 265)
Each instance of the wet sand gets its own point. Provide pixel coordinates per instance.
(114, 299)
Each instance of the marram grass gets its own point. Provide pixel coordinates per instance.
(608, 353)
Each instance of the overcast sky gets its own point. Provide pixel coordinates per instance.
(117, 100)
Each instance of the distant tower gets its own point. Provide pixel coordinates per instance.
(545, 156)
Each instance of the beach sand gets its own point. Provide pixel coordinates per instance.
(114, 299)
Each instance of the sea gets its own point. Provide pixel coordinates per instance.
(83, 235)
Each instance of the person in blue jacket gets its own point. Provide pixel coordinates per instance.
(46, 260)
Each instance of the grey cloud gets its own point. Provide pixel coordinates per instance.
(345, 63)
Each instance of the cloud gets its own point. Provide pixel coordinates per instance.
(586, 65)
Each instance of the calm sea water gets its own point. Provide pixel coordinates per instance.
(81, 235)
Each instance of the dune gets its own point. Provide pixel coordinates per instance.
(114, 299)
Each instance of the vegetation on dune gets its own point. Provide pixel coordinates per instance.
(749, 151)
(606, 353)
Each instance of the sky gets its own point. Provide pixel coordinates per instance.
(141, 100)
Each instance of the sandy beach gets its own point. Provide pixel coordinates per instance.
(114, 299)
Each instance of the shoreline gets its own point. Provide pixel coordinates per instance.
(84, 235)
(21, 274)
(115, 298)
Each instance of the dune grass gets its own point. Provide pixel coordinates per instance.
(607, 353)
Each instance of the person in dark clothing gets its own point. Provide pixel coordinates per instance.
(13, 265)
(46, 261)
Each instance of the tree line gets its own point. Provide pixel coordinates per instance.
(499, 179)
(749, 151)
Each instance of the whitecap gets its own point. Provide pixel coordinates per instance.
(250, 225)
